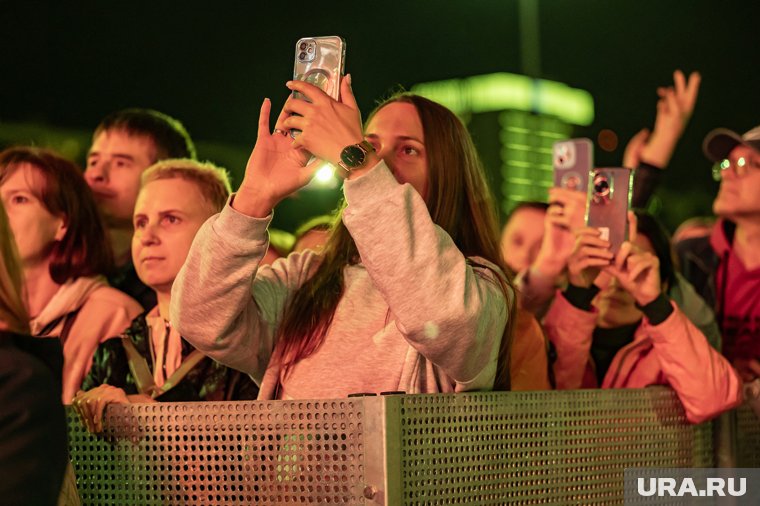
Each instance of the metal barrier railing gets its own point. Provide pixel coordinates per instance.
(480, 448)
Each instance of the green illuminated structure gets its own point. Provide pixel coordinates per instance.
(514, 120)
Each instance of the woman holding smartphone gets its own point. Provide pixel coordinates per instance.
(615, 327)
(409, 293)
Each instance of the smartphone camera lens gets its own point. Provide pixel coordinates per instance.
(301, 55)
(601, 186)
(303, 46)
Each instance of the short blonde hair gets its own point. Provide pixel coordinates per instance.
(13, 312)
(212, 181)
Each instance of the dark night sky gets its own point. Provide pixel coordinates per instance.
(67, 64)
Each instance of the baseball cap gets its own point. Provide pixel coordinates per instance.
(719, 143)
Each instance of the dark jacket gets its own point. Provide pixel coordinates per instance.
(33, 445)
(207, 381)
(125, 279)
(699, 264)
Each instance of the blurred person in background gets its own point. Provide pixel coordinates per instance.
(725, 266)
(614, 326)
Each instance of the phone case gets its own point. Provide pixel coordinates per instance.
(573, 159)
(608, 201)
(321, 61)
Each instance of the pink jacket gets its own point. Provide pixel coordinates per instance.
(673, 353)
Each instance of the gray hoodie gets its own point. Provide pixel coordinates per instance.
(415, 315)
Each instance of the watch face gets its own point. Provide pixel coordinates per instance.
(352, 156)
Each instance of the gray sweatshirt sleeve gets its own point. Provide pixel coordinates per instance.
(451, 311)
(222, 303)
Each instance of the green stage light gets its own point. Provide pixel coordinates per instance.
(505, 91)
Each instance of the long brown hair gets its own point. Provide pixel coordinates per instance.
(459, 201)
(12, 308)
(84, 249)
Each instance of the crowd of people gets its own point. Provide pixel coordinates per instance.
(143, 278)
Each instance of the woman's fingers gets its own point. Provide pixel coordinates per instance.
(79, 407)
(90, 406)
(593, 262)
(592, 240)
(622, 255)
(294, 122)
(311, 92)
(633, 227)
(97, 415)
(266, 107)
(87, 410)
(297, 106)
(278, 127)
(679, 80)
(596, 252)
(347, 93)
(691, 92)
(556, 216)
(635, 271)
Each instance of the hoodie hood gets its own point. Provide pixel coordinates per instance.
(69, 297)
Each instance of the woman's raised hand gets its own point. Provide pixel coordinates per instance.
(564, 216)
(638, 272)
(590, 254)
(276, 168)
(327, 126)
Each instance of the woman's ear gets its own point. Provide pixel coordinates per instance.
(63, 227)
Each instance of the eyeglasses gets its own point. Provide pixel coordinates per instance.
(740, 167)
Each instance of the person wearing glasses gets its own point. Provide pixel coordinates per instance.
(725, 266)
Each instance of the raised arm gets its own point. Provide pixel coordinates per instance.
(649, 153)
(538, 284)
(453, 311)
(222, 302)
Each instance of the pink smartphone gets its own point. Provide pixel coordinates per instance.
(572, 160)
(607, 203)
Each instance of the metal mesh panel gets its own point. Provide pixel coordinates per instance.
(491, 448)
(222, 453)
(747, 437)
(541, 447)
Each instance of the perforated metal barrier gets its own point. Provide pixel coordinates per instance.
(543, 447)
(491, 448)
(747, 437)
(223, 453)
